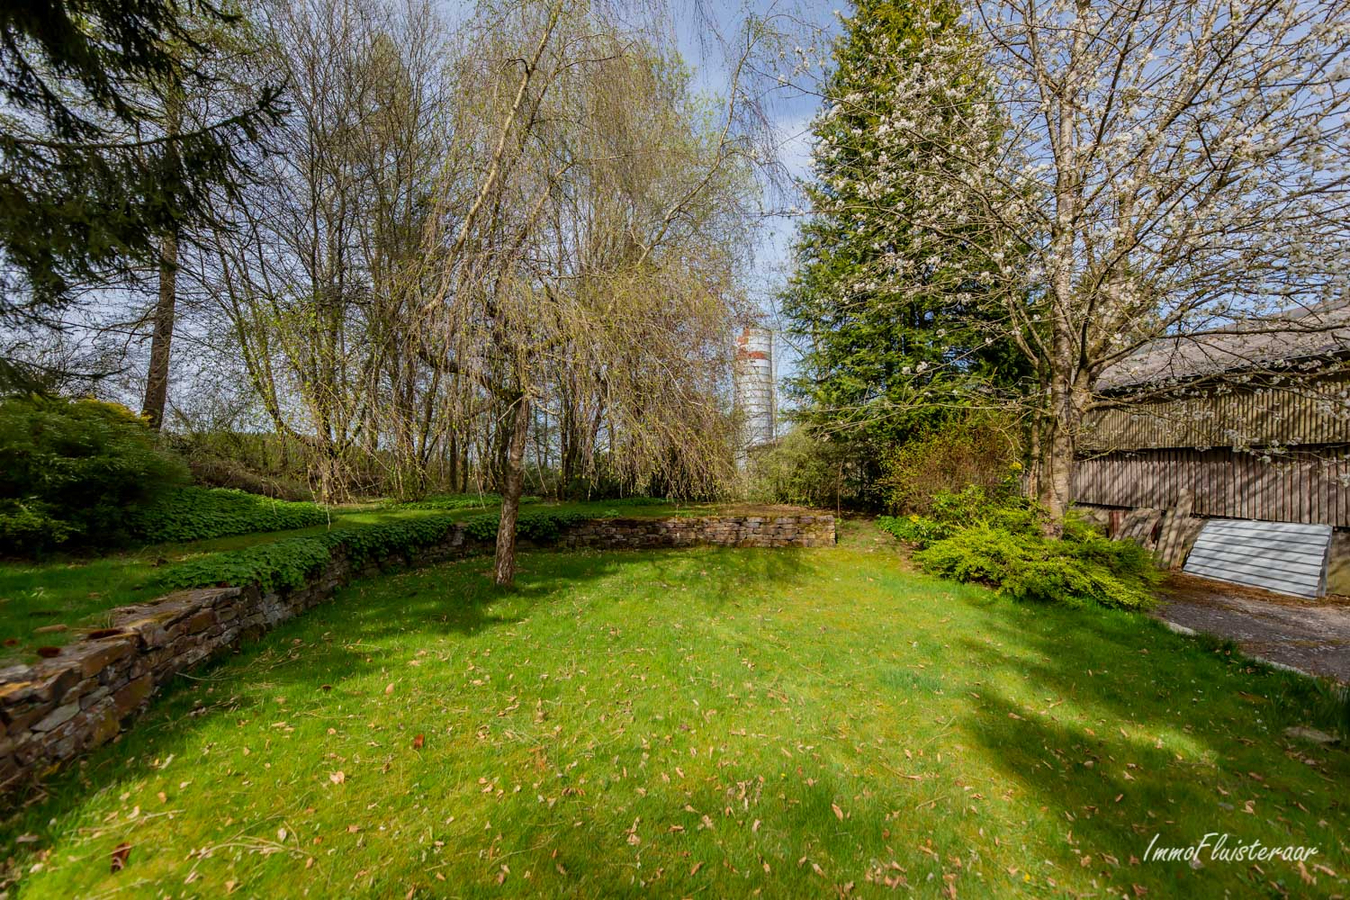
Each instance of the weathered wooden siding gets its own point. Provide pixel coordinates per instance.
(1249, 415)
(1303, 486)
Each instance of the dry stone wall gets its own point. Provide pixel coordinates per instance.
(59, 708)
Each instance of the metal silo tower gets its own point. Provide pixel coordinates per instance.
(754, 388)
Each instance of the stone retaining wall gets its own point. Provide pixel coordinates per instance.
(725, 531)
(59, 708)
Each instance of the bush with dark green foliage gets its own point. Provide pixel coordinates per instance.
(71, 472)
(286, 563)
(196, 513)
(1001, 506)
(996, 538)
(1027, 566)
(540, 527)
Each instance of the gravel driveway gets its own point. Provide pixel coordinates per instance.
(1313, 636)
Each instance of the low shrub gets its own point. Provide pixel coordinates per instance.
(943, 458)
(995, 537)
(32, 527)
(1029, 567)
(803, 468)
(539, 527)
(286, 563)
(71, 472)
(196, 513)
(273, 566)
(1001, 506)
(915, 529)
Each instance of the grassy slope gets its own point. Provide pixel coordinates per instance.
(78, 591)
(713, 721)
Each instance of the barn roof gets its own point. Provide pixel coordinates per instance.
(1274, 342)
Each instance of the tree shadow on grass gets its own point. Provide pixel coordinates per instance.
(1135, 730)
(352, 635)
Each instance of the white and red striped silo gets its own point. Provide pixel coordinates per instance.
(754, 387)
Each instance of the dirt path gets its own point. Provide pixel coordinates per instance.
(1313, 637)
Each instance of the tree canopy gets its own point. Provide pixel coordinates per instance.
(89, 177)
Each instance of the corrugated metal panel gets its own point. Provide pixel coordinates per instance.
(1302, 486)
(1287, 557)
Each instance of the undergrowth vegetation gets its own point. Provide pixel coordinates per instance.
(196, 513)
(288, 562)
(457, 501)
(996, 537)
(943, 459)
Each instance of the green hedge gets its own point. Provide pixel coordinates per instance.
(196, 513)
(451, 502)
(540, 527)
(272, 566)
(288, 562)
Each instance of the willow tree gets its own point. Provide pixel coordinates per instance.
(1135, 170)
(600, 241)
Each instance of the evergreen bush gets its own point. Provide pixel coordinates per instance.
(71, 473)
(997, 538)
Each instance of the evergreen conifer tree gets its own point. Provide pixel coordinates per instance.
(890, 329)
(90, 180)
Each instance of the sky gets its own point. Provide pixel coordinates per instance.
(788, 108)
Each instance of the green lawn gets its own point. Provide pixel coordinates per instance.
(699, 722)
(78, 591)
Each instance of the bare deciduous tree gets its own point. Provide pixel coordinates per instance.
(1128, 171)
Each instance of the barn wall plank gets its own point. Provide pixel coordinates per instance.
(1306, 487)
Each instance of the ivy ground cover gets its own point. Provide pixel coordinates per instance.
(696, 722)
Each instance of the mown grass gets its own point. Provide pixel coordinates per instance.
(700, 722)
(78, 591)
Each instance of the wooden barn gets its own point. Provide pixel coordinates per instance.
(1251, 425)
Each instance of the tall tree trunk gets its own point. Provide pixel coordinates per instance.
(157, 379)
(513, 483)
(452, 455)
(1069, 397)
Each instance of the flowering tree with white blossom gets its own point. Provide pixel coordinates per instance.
(1126, 171)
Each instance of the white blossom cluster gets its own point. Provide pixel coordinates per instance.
(1124, 171)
